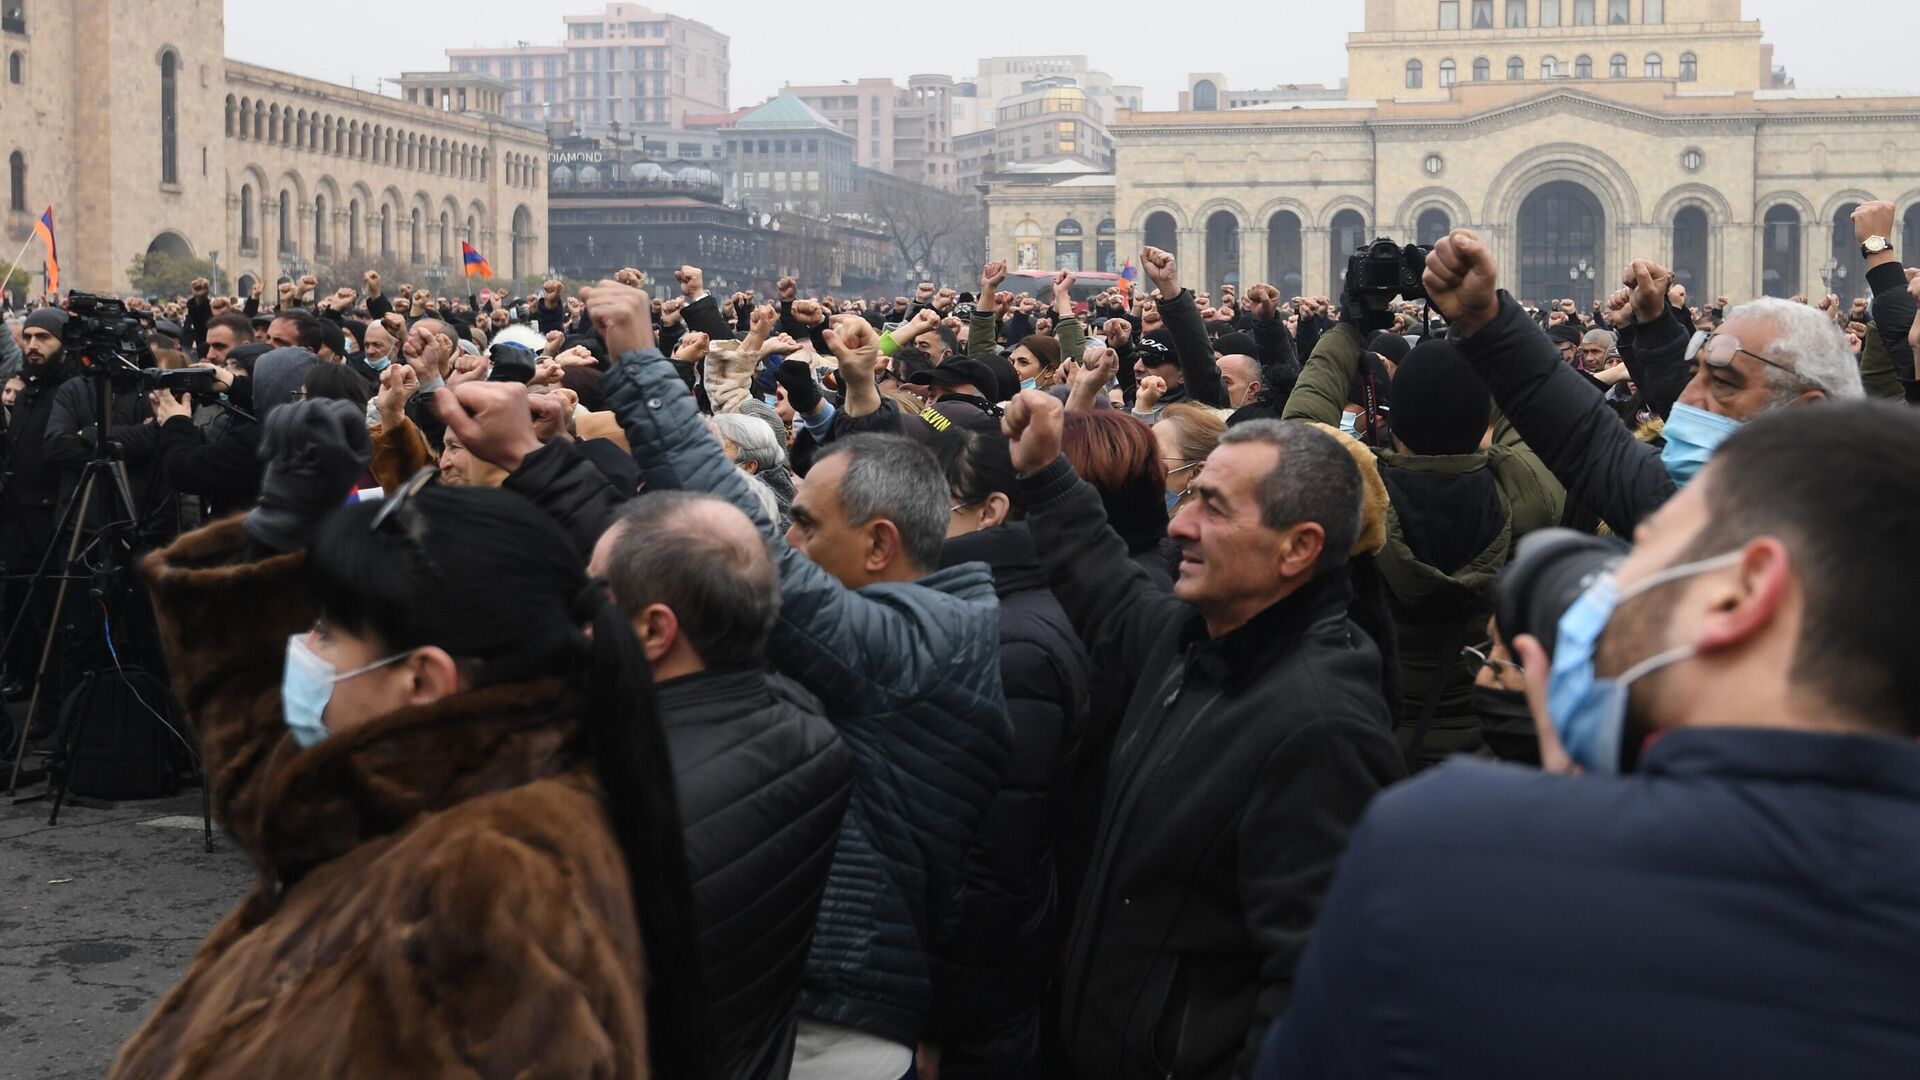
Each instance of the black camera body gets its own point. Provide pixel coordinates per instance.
(1549, 571)
(1383, 270)
(110, 340)
(197, 381)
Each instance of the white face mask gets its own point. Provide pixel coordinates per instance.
(306, 686)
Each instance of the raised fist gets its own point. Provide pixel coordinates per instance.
(1161, 270)
(555, 341)
(1648, 281)
(1033, 424)
(201, 285)
(372, 278)
(670, 311)
(1872, 219)
(1117, 331)
(991, 275)
(631, 278)
(925, 292)
(787, 289)
(551, 287)
(808, 313)
(1461, 282)
(1148, 393)
(692, 348)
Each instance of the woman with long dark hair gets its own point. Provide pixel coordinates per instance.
(457, 798)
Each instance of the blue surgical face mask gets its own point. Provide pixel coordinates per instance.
(1349, 422)
(306, 685)
(1029, 384)
(1692, 436)
(1589, 713)
(381, 364)
(1173, 500)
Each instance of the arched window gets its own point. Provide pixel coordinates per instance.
(1104, 256)
(1780, 257)
(1416, 74)
(1223, 250)
(1690, 248)
(1432, 226)
(17, 182)
(1206, 96)
(249, 240)
(1448, 73)
(1617, 67)
(169, 124)
(1549, 67)
(1482, 71)
(1561, 226)
(1848, 279)
(1162, 233)
(1348, 232)
(1284, 264)
(285, 237)
(353, 227)
(1066, 245)
(321, 246)
(1689, 67)
(17, 72)
(1651, 66)
(1516, 68)
(1583, 66)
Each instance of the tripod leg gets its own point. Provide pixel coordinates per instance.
(75, 512)
(58, 782)
(206, 804)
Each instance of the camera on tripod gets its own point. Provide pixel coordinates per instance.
(1383, 270)
(110, 340)
(197, 381)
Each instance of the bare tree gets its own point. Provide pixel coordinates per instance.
(926, 227)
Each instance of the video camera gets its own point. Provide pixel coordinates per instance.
(110, 340)
(1383, 270)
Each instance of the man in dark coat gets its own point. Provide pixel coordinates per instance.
(1746, 900)
(1255, 734)
(1784, 356)
(762, 777)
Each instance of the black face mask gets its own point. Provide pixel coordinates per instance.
(1507, 724)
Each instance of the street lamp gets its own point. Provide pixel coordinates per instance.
(1833, 272)
(295, 266)
(1579, 271)
(436, 275)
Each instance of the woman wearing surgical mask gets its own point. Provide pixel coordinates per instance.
(438, 746)
(1186, 433)
(1037, 361)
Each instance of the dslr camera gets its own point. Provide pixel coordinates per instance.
(197, 381)
(1549, 571)
(110, 340)
(1383, 270)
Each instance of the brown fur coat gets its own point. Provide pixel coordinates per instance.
(440, 892)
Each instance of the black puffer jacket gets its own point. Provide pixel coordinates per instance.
(763, 781)
(989, 977)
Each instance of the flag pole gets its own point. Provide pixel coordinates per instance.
(14, 266)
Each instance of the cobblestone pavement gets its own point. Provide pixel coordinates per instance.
(99, 916)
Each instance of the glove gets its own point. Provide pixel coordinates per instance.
(315, 451)
(802, 393)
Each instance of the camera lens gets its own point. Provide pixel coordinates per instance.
(1552, 568)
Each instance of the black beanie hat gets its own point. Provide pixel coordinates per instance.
(1238, 343)
(1566, 332)
(1440, 405)
(51, 319)
(1390, 345)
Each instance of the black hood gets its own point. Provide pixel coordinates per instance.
(1007, 550)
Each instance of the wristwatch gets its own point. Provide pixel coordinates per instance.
(1874, 246)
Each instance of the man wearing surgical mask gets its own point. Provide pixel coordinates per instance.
(1768, 354)
(1730, 888)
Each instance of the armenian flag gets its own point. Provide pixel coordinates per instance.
(476, 263)
(44, 230)
(1128, 274)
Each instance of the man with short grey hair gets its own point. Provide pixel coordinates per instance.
(1767, 354)
(762, 779)
(1255, 733)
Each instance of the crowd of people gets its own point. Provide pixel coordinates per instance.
(1188, 683)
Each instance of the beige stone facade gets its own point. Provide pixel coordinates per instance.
(84, 119)
(1745, 191)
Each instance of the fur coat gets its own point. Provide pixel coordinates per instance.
(439, 891)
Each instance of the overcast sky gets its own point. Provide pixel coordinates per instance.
(1823, 43)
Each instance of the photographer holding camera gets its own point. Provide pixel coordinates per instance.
(1739, 850)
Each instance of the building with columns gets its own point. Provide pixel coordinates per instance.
(145, 140)
(1574, 134)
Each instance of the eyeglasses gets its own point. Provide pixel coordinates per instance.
(957, 507)
(1481, 657)
(1719, 349)
(1189, 465)
(408, 529)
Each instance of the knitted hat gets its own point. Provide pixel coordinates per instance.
(1238, 343)
(1602, 337)
(1390, 345)
(1440, 406)
(1566, 332)
(51, 319)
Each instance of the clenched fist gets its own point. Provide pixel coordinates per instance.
(1032, 424)
(1648, 281)
(1461, 282)
(1161, 270)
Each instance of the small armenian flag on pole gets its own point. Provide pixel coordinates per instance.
(44, 230)
(476, 263)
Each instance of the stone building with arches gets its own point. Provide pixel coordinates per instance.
(1689, 154)
(144, 142)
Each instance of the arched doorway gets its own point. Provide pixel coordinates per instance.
(1690, 267)
(172, 245)
(1434, 224)
(245, 284)
(1284, 265)
(1780, 255)
(1347, 233)
(1561, 225)
(1845, 275)
(1910, 242)
(1161, 232)
(1223, 251)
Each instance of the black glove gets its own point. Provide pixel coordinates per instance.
(802, 393)
(315, 451)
